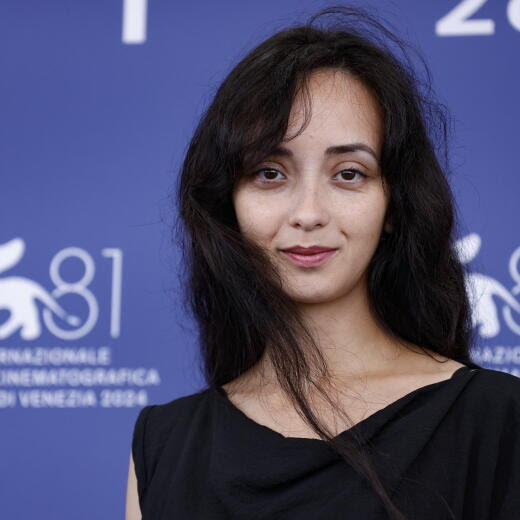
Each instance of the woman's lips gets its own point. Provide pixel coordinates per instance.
(310, 260)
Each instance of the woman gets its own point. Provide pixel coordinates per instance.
(334, 320)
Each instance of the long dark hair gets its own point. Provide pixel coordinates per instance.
(415, 279)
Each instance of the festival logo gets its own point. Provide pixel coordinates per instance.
(489, 298)
(19, 295)
(36, 376)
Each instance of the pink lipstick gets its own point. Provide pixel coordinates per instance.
(309, 256)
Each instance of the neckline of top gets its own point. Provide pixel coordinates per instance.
(357, 426)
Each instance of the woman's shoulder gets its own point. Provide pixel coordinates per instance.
(156, 422)
(180, 404)
(175, 410)
(499, 382)
(496, 392)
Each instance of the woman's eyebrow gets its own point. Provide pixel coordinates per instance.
(280, 151)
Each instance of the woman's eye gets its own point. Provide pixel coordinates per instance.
(270, 173)
(352, 172)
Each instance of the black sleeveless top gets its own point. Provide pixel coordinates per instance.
(447, 450)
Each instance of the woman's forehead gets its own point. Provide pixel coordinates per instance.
(340, 109)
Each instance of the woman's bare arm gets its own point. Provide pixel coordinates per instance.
(133, 511)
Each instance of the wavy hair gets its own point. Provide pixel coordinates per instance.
(415, 279)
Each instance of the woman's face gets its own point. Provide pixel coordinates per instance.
(313, 192)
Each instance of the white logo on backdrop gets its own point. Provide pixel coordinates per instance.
(19, 295)
(487, 294)
(63, 376)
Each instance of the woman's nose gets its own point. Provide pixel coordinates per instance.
(309, 208)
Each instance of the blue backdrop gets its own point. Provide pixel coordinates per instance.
(98, 102)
